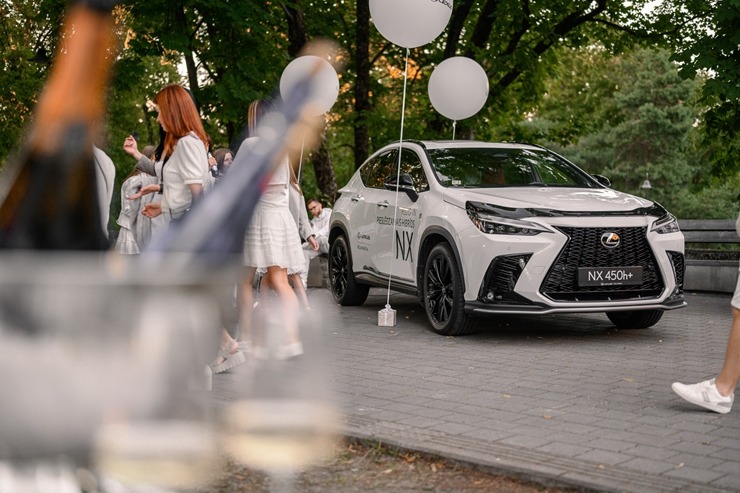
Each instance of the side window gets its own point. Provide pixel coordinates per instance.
(366, 171)
(411, 164)
(383, 166)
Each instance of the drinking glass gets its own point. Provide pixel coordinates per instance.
(102, 360)
(282, 416)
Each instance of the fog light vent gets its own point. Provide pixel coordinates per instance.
(501, 278)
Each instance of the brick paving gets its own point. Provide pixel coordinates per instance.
(566, 399)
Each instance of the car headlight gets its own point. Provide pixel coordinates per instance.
(495, 225)
(666, 224)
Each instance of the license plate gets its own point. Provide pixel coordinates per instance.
(609, 276)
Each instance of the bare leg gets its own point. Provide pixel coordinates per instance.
(730, 374)
(247, 304)
(227, 342)
(278, 279)
(300, 290)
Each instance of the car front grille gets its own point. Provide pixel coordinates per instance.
(584, 249)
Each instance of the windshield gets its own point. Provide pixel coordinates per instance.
(488, 167)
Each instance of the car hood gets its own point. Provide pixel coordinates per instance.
(550, 198)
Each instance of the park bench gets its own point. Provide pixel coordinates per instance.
(710, 269)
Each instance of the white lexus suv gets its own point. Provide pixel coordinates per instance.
(478, 229)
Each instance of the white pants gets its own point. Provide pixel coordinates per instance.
(309, 254)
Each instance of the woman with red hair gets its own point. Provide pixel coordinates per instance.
(184, 154)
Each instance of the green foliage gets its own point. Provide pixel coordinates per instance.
(631, 118)
(561, 74)
(715, 53)
(27, 41)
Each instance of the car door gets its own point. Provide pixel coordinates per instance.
(398, 221)
(366, 204)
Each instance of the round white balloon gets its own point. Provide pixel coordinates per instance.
(458, 88)
(410, 23)
(324, 85)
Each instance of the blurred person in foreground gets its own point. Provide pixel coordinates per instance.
(271, 246)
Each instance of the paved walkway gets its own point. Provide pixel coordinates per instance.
(567, 399)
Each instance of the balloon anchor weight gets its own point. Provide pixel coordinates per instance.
(387, 317)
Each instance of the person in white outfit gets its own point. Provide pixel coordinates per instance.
(136, 229)
(320, 225)
(105, 172)
(272, 246)
(717, 394)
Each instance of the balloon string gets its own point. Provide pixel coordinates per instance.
(398, 176)
(454, 125)
(300, 161)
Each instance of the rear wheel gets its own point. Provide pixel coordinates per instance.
(342, 283)
(443, 293)
(639, 319)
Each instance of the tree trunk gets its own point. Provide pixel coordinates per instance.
(321, 159)
(296, 27)
(192, 69)
(362, 82)
(324, 171)
(457, 22)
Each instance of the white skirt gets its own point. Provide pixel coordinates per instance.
(126, 242)
(272, 238)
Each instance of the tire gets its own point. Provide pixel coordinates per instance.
(342, 283)
(638, 319)
(442, 293)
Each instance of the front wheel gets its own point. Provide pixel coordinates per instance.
(342, 283)
(442, 292)
(638, 319)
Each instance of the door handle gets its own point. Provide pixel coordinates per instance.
(356, 198)
(383, 204)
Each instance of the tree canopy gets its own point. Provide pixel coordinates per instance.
(571, 73)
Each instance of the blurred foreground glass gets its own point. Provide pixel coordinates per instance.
(283, 417)
(102, 362)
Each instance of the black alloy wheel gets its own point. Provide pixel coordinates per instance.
(443, 293)
(342, 283)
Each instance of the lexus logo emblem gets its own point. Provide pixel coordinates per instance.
(610, 240)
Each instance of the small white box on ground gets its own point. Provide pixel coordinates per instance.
(387, 317)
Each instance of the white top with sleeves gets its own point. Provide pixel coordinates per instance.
(320, 223)
(280, 175)
(105, 172)
(187, 165)
(298, 210)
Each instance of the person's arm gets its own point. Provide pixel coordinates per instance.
(152, 209)
(151, 188)
(196, 190)
(192, 165)
(305, 229)
(314, 244)
(146, 165)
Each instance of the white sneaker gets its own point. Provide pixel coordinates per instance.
(289, 351)
(706, 395)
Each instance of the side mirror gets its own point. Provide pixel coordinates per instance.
(405, 185)
(603, 180)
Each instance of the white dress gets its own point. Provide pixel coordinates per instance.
(136, 229)
(271, 238)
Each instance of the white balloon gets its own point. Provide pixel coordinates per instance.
(458, 88)
(410, 23)
(324, 85)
